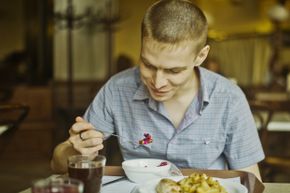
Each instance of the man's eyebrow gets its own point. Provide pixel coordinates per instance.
(177, 68)
(144, 60)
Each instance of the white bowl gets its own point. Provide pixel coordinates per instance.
(141, 170)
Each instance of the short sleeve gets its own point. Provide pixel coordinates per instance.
(99, 113)
(243, 147)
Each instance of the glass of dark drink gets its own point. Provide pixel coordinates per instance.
(89, 170)
(60, 184)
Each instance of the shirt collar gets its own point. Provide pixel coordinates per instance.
(142, 91)
(205, 89)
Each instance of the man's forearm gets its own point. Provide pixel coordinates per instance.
(60, 155)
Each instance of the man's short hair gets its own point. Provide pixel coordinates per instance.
(175, 21)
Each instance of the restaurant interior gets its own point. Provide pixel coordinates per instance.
(56, 55)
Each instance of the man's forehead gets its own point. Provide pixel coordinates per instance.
(153, 44)
(165, 59)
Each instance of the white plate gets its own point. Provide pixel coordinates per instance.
(149, 187)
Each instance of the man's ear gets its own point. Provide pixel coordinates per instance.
(202, 55)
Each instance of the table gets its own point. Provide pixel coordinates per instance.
(277, 187)
(269, 187)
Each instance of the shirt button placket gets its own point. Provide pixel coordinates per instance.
(171, 149)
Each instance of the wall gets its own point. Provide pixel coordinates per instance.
(89, 50)
(229, 17)
(127, 37)
(88, 44)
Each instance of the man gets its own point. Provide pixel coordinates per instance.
(197, 119)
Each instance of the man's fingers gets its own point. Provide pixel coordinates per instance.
(86, 139)
(79, 143)
(87, 146)
(92, 133)
(81, 126)
(91, 150)
(92, 142)
(79, 119)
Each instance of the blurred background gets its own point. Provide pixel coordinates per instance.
(55, 55)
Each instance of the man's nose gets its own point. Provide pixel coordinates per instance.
(160, 80)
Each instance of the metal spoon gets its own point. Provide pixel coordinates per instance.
(116, 180)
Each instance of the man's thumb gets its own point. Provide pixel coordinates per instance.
(79, 119)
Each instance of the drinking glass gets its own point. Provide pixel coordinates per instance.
(89, 170)
(60, 184)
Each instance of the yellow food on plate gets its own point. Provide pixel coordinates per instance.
(167, 186)
(195, 183)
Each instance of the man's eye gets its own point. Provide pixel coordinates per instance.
(173, 71)
(149, 66)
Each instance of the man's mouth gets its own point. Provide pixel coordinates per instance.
(160, 92)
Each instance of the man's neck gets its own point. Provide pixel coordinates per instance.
(188, 92)
(178, 105)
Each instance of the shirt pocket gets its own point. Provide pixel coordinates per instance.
(203, 152)
(129, 143)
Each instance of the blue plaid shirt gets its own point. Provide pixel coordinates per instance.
(217, 132)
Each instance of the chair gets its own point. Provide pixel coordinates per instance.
(272, 164)
(11, 116)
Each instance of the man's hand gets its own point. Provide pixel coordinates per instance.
(85, 138)
(90, 143)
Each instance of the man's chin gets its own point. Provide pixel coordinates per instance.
(160, 98)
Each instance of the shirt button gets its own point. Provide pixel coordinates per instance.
(206, 142)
